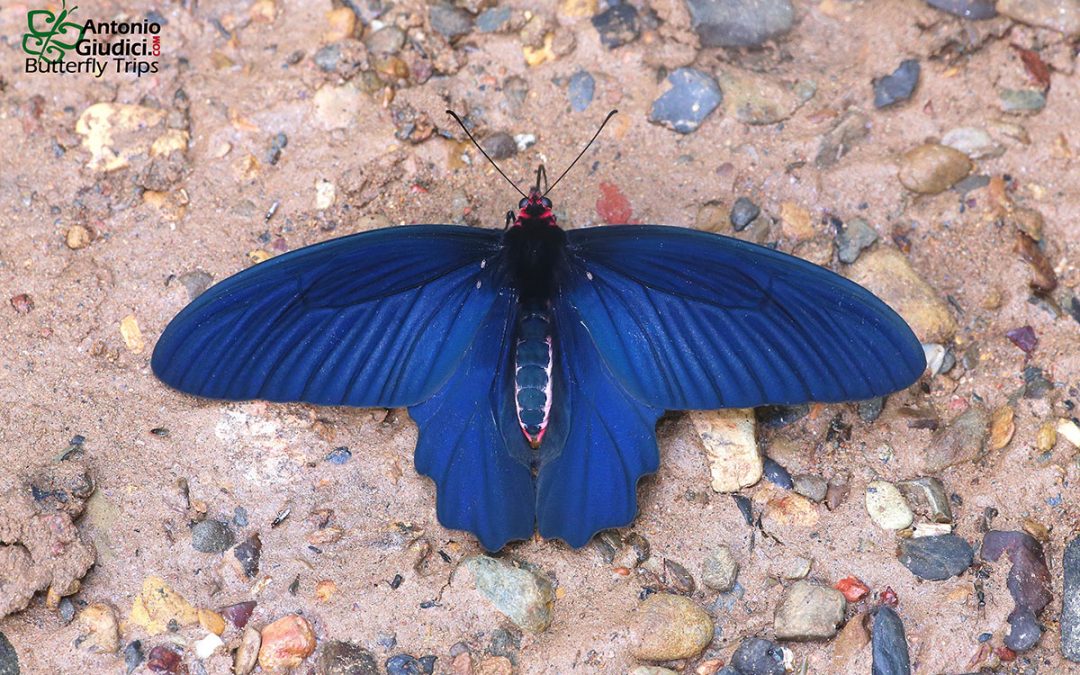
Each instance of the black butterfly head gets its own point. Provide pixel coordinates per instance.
(535, 209)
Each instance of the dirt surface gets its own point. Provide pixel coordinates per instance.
(199, 185)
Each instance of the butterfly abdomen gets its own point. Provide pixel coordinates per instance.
(532, 370)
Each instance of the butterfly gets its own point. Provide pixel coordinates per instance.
(535, 360)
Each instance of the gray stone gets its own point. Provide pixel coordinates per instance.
(889, 644)
(617, 25)
(386, 40)
(1024, 630)
(898, 86)
(743, 212)
(580, 90)
(740, 23)
(756, 656)
(523, 596)
(936, 558)
(1060, 15)
(810, 486)
(9, 658)
(926, 495)
(966, 9)
(493, 20)
(500, 145)
(212, 536)
(852, 238)
(683, 107)
(720, 570)
(961, 441)
(451, 22)
(838, 141)
(1022, 100)
(1070, 609)
(345, 658)
(809, 612)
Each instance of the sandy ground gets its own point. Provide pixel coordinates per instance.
(67, 369)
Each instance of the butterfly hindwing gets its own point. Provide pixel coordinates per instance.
(481, 487)
(692, 320)
(380, 318)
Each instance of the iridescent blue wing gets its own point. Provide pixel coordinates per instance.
(692, 320)
(601, 441)
(380, 318)
(481, 486)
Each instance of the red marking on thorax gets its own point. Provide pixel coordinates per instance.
(537, 208)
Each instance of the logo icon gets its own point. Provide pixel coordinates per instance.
(51, 35)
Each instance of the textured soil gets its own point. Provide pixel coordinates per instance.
(66, 368)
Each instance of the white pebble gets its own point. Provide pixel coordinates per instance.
(887, 507)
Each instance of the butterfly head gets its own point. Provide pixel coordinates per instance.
(535, 210)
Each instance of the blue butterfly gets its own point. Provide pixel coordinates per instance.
(535, 360)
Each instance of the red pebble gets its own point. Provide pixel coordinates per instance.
(163, 660)
(889, 597)
(1005, 654)
(22, 303)
(852, 588)
(239, 613)
(1024, 338)
(613, 206)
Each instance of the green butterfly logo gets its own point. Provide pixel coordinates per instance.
(51, 35)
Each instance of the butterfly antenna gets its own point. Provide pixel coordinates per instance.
(464, 128)
(541, 172)
(580, 154)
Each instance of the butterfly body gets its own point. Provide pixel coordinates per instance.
(535, 361)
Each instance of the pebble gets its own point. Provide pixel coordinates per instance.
(404, 664)
(974, 142)
(886, 272)
(100, 631)
(897, 87)
(852, 238)
(617, 25)
(889, 644)
(449, 21)
(652, 670)
(743, 212)
(1022, 100)
(133, 657)
(342, 24)
(1070, 610)
(962, 440)
(345, 658)
(1029, 583)
(494, 20)
(338, 107)
(247, 554)
(286, 643)
(936, 558)
(740, 23)
(759, 100)
(1060, 15)
(809, 612)
(787, 509)
(720, 570)
(78, 236)
(810, 486)
(212, 621)
(238, 614)
(926, 495)
(932, 168)
(730, 447)
(206, 647)
(838, 141)
(853, 588)
(526, 598)
(163, 659)
(777, 474)
(757, 656)
(9, 658)
(847, 646)
(666, 627)
(212, 536)
(685, 105)
(247, 654)
(580, 90)
(887, 507)
(793, 569)
(500, 145)
(966, 9)
(870, 410)
(195, 282)
(158, 608)
(385, 41)
(339, 455)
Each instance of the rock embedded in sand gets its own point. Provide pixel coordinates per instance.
(757, 656)
(163, 659)
(886, 272)
(286, 643)
(449, 21)
(666, 627)
(1062, 16)
(898, 86)
(809, 611)
(1022, 100)
(247, 654)
(932, 168)
(810, 486)
(720, 569)
(926, 496)
(838, 141)
(99, 629)
(966, 9)
(1070, 608)
(962, 440)
(936, 558)
(889, 644)
(755, 99)
(1029, 583)
(157, 607)
(692, 95)
(211, 536)
(852, 238)
(740, 23)
(730, 446)
(617, 25)
(743, 212)
(974, 142)
(345, 658)
(887, 507)
(525, 597)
